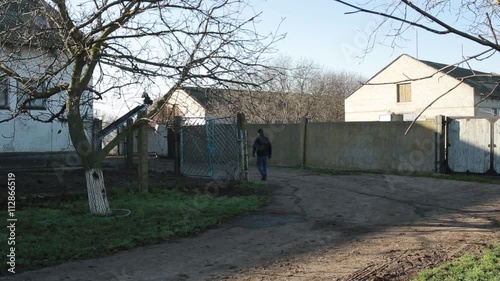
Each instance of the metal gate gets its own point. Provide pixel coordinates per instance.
(472, 145)
(213, 147)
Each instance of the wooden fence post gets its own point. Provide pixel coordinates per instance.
(129, 159)
(143, 154)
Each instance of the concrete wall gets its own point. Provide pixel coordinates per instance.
(286, 141)
(371, 101)
(371, 146)
(380, 146)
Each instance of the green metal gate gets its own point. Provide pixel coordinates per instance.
(212, 147)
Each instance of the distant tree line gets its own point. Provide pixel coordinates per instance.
(291, 91)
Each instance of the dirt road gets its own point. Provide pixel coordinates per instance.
(318, 227)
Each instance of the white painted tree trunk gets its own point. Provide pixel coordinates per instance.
(98, 201)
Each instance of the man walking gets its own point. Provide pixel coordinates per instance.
(263, 147)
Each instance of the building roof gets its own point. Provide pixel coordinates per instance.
(484, 83)
(201, 95)
(24, 22)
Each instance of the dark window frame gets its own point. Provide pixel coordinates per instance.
(4, 91)
(22, 94)
(399, 97)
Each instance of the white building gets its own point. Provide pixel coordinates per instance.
(407, 85)
(32, 56)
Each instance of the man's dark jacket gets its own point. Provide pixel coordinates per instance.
(262, 146)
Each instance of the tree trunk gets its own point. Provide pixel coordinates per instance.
(98, 200)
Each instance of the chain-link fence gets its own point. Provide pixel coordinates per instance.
(211, 147)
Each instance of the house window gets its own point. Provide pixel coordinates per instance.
(494, 111)
(4, 92)
(23, 94)
(404, 92)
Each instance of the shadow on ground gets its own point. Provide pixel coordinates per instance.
(318, 227)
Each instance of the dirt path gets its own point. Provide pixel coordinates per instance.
(318, 227)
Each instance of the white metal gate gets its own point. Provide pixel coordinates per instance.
(471, 145)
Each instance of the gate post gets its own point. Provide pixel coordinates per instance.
(242, 138)
(143, 154)
(209, 135)
(303, 141)
(177, 133)
(129, 160)
(439, 144)
(447, 122)
(491, 170)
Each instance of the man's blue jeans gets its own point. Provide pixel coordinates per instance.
(262, 166)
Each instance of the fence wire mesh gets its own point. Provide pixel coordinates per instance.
(210, 147)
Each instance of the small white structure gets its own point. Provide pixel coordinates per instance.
(185, 102)
(157, 142)
(407, 85)
(189, 102)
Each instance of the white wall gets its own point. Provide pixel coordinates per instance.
(371, 101)
(486, 107)
(24, 134)
(188, 106)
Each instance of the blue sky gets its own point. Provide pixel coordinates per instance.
(321, 31)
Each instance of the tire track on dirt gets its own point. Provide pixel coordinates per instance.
(415, 204)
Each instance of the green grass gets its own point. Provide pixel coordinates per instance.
(249, 186)
(467, 268)
(54, 231)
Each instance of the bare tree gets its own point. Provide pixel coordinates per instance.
(71, 52)
(291, 90)
(475, 21)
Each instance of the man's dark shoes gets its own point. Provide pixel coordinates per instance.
(264, 178)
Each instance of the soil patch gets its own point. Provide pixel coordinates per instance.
(318, 227)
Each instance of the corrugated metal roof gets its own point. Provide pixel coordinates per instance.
(201, 95)
(483, 82)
